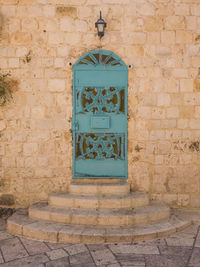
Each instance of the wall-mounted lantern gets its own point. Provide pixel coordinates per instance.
(100, 25)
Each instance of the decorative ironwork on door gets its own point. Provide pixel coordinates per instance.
(99, 123)
(101, 100)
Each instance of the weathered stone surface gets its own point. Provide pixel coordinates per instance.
(34, 247)
(63, 233)
(160, 42)
(12, 249)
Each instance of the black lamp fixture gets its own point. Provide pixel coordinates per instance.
(100, 25)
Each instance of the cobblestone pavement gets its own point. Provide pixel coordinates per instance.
(178, 250)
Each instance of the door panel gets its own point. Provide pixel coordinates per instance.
(99, 122)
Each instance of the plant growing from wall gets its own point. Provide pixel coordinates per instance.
(6, 89)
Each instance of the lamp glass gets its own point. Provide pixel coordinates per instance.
(101, 28)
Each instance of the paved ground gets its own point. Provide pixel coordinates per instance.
(178, 250)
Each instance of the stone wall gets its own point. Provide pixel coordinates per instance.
(159, 38)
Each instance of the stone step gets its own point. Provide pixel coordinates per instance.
(131, 200)
(20, 224)
(99, 189)
(102, 217)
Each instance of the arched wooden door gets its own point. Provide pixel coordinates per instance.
(99, 123)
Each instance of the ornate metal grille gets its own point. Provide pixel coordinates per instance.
(101, 100)
(99, 146)
(99, 58)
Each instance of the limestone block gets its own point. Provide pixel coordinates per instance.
(159, 184)
(21, 38)
(172, 112)
(63, 50)
(59, 62)
(197, 84)
(193, 50)
(56, 85)
(45, 124)
(56, 38)
(14, 24)
(184, 37)
(191, 22)
(195, 200)
(29, 162)
(48, 24)
(175, 23)
(138, 38)
(197, 112)
(13, 62)
(159, 159)
(29, 24)
(195, 123)
(157, 135)
(180, 73)
(81, 26)
(21, 51)
(182, 9)
(168, 37)
(182, 123)
(2, 125)
(158, 113)
(185, 159)
(8, 10)
(140, 173)
(186, 85)
(183, 200)
(74, 38)
(66, 11)
(163, 51)
(154, 124)
(190, 99)
(195, 9)
(20, 162)
(85, 12)
(34, 11)
(3, 63)
(49, 11)
(30, 148)
(149, 99)
(163, 148)
(164, 8)
(168, 124)
(47, 62)
(153, 24)
(146, 9)
(67, 24)
(9, 162)
(8, 51)
(144, 112)
(170, 198)
(137, 24)
(61, 124)
(163, 99)
(153, 37)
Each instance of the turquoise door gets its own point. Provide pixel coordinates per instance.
(99, 123)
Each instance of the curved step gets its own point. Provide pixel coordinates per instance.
(132, 200)
(19, 224)
(112, 217)
(99, 189)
